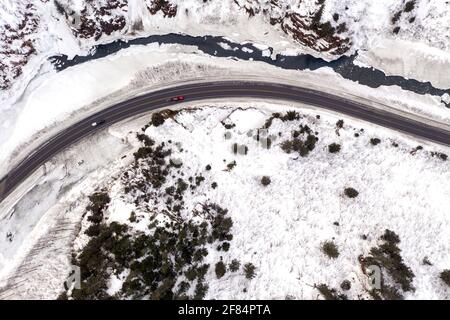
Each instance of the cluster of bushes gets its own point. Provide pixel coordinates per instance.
(155, 168)
(98, 202)
(333, 294)
(142, 153)
(396, 276)
(94, 259)
(288, 116)
(408, 7)
(297, 144)
(387, 257)
(374, 141)
(249, 269)
(170, 252)
(145, 139)
(330, 293)
(150, 170)
(326, 30)
(158, 118)
(440, 155)
(168, 261)
(168, 9)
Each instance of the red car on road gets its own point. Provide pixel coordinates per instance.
(177, 98)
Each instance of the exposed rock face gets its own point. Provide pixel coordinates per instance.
(305, 27)
(17, 44)
(330, 28)
(95, 18)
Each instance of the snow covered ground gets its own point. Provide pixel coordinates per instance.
(288, 221)
(404, 192)
(401, 188)
(409, 59)
(43, 223)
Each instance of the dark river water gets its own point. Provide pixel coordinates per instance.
(211, 45)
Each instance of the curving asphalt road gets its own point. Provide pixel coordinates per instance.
(219, 89)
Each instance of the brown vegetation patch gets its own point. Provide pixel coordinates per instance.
(308, 29)
(168, 9)
(17, 44)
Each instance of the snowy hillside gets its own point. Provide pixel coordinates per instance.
(267, 203)
(32, 30)
(226, 198)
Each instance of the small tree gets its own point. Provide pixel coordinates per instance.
(191, 274)
(157, 119)
(330, 249)
(287, 146)
(409, 6)
(225, 246)
(351, 193)
(200, 290)
(346, 285)
(148, 142)
(329, 293)
(375, 141)
(220, 269)
(334, 148)
(132, 217)
(290, 116)
(265, 181)
(249, 270)
(234, 265)
(310, 142)
(445, 276)
(231, 165)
